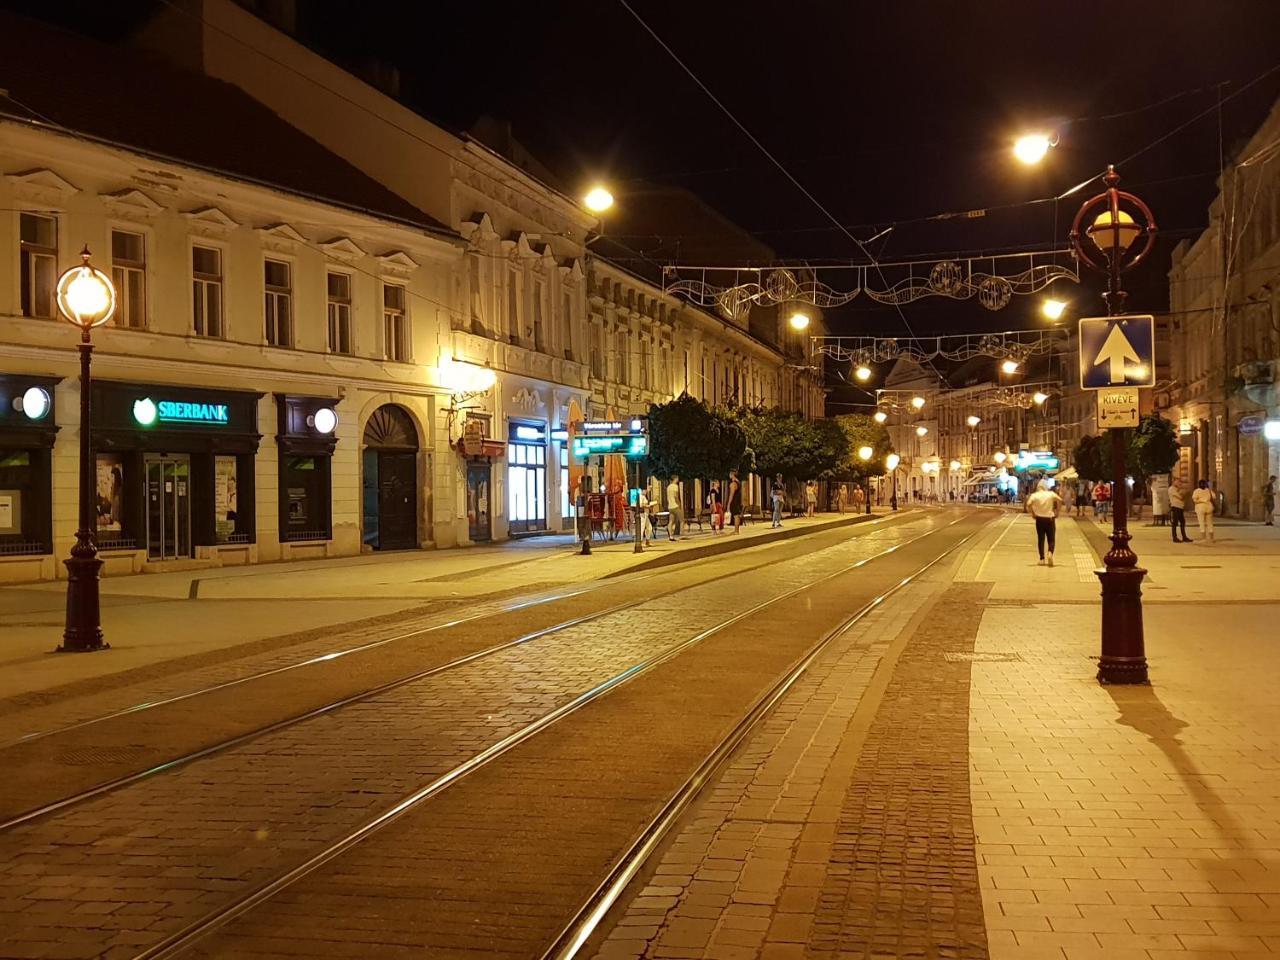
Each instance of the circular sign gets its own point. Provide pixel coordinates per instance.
(35, 403)
(325, 420)
(144, 411)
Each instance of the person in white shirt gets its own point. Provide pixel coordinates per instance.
(1178, 511)
(676, 521)
(1044, 505)
(1202, 498)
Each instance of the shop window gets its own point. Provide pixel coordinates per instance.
(395, 331)
(278, 305)
(109, 501)
(206, 292)
(339, 302)
(129, 274)
(228, 527)
(24, 497)
(305, 498)
(39, 263)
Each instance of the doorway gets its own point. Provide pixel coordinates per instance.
(390, 483)
(479, 527)
(167, 482)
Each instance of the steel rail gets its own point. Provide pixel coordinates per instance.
(179, 940)
(108, 786)
(580, 929)
(521, 603)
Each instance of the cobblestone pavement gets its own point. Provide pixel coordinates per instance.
(127, 868)
(51, 767)
(842, 826)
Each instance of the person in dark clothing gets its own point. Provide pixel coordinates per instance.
(735, 501)
(1178, 512)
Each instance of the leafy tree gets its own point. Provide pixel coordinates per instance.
(1153, 447)
(788, 444)
(1092, 458)
(861, 431)
(687, 439)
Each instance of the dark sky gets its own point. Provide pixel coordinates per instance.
(887, 112)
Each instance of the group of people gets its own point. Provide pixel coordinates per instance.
(718, 504)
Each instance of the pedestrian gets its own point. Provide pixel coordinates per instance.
(716, 502)
(859, 499)
(675, 520)
(1082, 497)
(811, 498)
(1101, 500)
(777, 494)
(1202, 497)
(645, 506)
(843, 502)
(1044, 505)
(1178, 511)
(735, 501)
(1068, 498)
(1269, 500)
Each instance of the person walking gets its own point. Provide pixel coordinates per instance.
(859, 500)
(716, 502)
(735, 501)
(645, 506)
(1068, 498)
(1269, 501)
(1178, 511)
(843, 502)
(1101, 501)
(1202, 497)
(811, 498)
(675, 521)
(777, 494)
(1044, 505)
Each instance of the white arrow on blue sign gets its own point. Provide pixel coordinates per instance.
(1118, 352)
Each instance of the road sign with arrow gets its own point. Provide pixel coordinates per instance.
(1117, 352)
(1118, 407)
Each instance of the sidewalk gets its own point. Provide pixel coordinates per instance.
(950, 780)
(151, 618)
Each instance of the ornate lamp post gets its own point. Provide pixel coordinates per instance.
(1109, 244)
(86, 298)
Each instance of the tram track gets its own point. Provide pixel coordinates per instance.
(178, 942)
(69, 801)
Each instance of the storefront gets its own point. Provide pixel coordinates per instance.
(526, 477)
(174, 468)
(306, 443)
(28, 426)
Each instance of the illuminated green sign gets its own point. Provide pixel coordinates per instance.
(146, 411)
(633, 446)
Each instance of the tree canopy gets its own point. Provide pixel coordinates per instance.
(861, 431)
(788, 444)
(1150, 448)
(688, 439)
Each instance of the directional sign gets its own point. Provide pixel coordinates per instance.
(1118, 407)
(1117, 352)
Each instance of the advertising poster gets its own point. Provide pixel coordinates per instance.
(10, 512)
(224, 495)
(110, 493)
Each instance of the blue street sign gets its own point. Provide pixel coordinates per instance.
(1118, 352)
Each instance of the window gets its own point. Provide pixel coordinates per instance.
(394, 323)
(278, 308)
(473, 281)
(566, 320)
(644, 365)
(622, 356)
(513, 306)
(206, 291)
(539, 328)
(39, 269)
(339, 299)
(129, 274)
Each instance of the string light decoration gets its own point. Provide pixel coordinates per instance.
(993, 281)
(1016, 345)
(1023, 396)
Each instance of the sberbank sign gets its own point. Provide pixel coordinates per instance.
(147, 411)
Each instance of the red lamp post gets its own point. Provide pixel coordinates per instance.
(1110, 245)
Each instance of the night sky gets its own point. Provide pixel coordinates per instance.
(888, 113)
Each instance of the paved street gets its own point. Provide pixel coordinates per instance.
(944, 780)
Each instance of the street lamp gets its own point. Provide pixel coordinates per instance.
(86, 298)
(1000, 456)
(917, 402)
(1032, 147)
(973, 420)
(880, 416)
(598, 199)
(1009, 366)
(1053, 309)
(865, 453)
(891, 464)
(1108, 246)
(863, 373)
(799, 320)
(1039, 397)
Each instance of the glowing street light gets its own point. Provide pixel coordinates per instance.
(880, 416)
(1000, 456)
(1053, 309)
(863, 373)
(921, 431)
(891, 461)
(955, 466)
(864, 453)
(1009, 366)
(973, 420)
(86, 298)
(917, 402)
(598, 199)
(1039, 397)
(799, 320)
(1032, 147)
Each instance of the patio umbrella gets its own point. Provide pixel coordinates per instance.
(577, 468)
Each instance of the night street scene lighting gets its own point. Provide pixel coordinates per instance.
(661, 480)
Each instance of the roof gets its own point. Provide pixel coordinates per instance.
(133, 99)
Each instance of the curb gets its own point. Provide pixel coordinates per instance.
(728, 543)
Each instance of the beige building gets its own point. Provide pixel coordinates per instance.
(320, 290)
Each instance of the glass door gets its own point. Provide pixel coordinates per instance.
(168, 492)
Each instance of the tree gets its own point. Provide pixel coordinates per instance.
(1092, 458)
(688, 439)
(788, 444)
(1153, 447)
(861, 431)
